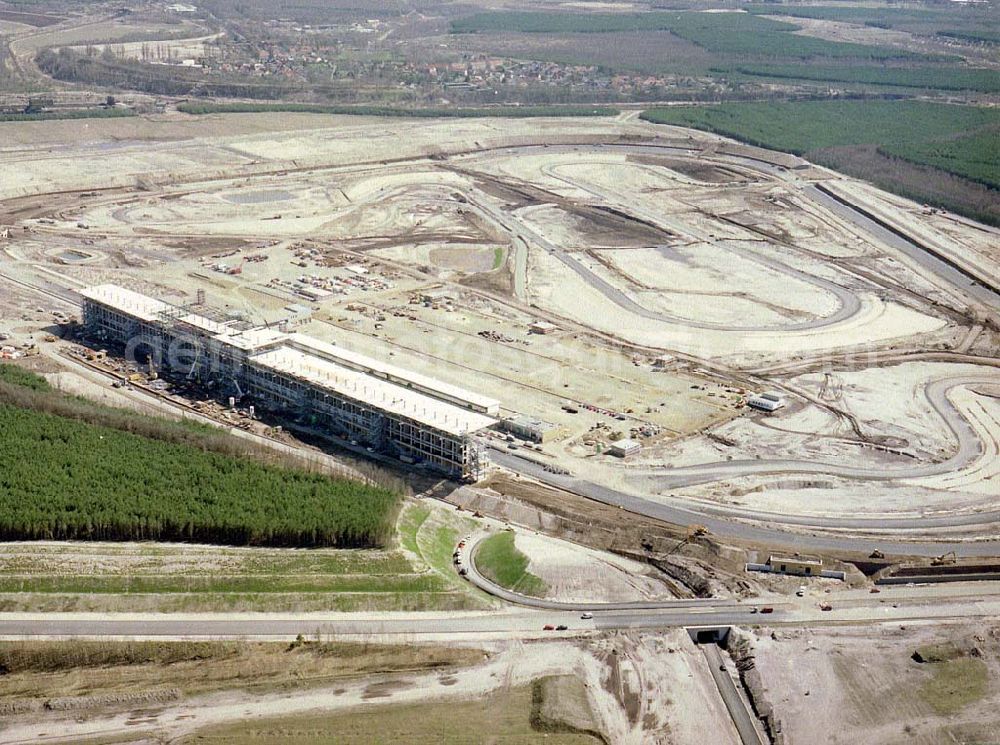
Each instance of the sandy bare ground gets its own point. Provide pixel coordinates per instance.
(860, 685)
(575, 573)
(642, 688)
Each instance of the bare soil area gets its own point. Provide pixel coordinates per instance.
(862, 685)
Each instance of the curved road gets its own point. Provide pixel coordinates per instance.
(969, 448)
(849, 304)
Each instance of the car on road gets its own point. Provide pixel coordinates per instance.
(825, 606)
(561, 627)
(767, 609)
(463, 571)
(801, 591)
(548, 627)
(586, 615)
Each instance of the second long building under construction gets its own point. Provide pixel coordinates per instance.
(332, 390)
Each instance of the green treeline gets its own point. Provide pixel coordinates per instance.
(74, 114)
(962, 140)
(305, 108)
(935, 78)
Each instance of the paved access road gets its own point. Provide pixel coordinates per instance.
(778, 530)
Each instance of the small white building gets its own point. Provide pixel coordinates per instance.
(530, 428)
(624, 448)
(542, 327)
(441, 295)
(769, 401)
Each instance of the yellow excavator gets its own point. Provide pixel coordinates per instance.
(943, 559)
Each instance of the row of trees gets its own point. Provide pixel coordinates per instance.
(72, 469)
(67, 480)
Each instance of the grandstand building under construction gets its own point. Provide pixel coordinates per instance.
(332, 390)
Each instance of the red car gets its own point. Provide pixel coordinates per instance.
(548, 627)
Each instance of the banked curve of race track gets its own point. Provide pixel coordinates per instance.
(794, 530)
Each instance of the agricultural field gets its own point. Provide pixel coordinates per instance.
(722, 33)
(103, 576)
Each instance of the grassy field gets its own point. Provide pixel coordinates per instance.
(163, 577)
(499, 111)
(722, 33)
(954, 684)
(39, 671)
(504, 716)
(498, 559)
(963, 140)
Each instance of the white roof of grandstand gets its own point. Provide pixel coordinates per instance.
(133, 303)
(363, 362)
(254, 338)
(150, 309)
(376, 392)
